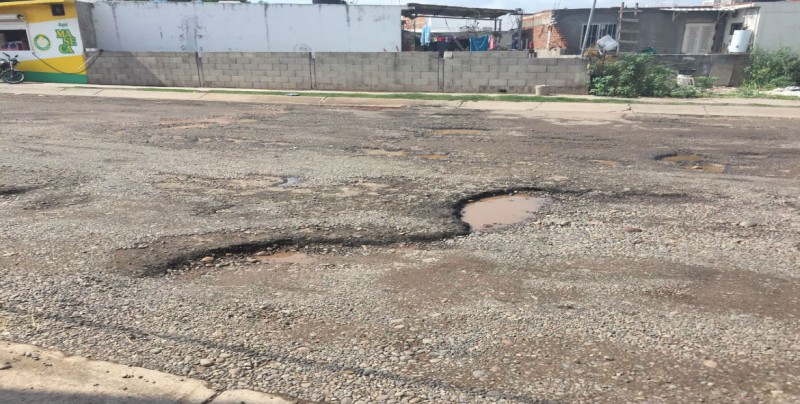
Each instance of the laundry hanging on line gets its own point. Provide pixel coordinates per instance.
(479, 44)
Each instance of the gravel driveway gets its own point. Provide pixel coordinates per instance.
(317, 252)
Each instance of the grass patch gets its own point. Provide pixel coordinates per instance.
(403, 96)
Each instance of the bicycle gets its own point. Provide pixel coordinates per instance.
(8, 70)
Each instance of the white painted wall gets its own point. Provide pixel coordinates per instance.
(778, 26)
(133, 26)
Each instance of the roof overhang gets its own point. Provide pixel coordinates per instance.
(720, 10)
(414, 10)
(708, 8)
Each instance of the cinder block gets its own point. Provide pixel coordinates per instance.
(556, 69)
(536, 68)
(555, 82)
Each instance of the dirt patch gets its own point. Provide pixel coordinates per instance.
(607, 163)
(385, 153)
(706, 288)
(456, 132)
(450, 279)
(203, 123)
(431, 156)
(693, 162)
(217, 186)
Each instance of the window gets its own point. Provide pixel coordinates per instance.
(14, 39)
(698, 38)
(598, 31)
(57, 9)
(737, 26)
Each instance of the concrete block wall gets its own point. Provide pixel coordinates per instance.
(482, 72)
(262, 70)
(512, 72)
(178, 69)
(377, 71)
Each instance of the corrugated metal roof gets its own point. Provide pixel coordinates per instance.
(709, 8)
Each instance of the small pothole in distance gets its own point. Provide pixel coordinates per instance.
(692, 162)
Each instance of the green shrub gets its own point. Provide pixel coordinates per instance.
(635, 75)
(685, 92)
(705, 83)
(772, 69)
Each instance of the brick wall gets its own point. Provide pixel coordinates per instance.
(488, 72)
(557, 40)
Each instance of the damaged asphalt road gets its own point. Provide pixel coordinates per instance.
(318, 252)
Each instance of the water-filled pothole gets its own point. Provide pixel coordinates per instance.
(498, 212)
(489, 211)
(693, 162)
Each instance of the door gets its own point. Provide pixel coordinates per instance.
(698, 38)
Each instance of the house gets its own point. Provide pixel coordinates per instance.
(669, 30)
(46, 37)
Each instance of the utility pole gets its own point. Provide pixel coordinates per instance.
(588, 28)
(519, 28)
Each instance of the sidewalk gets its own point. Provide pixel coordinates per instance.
(593, 107)
(29, 374)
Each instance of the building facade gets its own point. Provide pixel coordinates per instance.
(46, 37)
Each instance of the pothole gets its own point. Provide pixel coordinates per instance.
(456, 132)
(13, 190)
(692, 162)
(489, 211)
(285, 257)
(292, 182)
(498, 212)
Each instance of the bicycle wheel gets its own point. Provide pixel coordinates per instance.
(13, 76)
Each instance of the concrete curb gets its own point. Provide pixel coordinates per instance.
(29, 374)
(776, 109)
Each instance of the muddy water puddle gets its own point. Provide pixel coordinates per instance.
(694, 162)
(498, 212)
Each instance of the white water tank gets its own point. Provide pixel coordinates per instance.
(740, 41)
